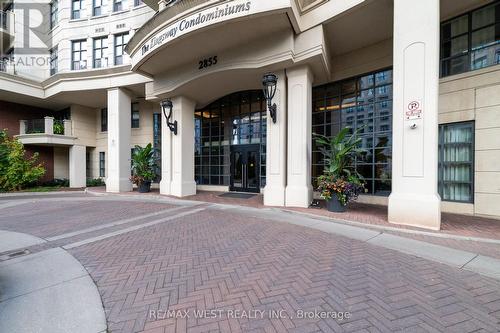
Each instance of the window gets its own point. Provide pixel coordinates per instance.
(79, 54)
(117, 5)
(471, 41)
(88, 164)
(102, 164)
(54, 11)
(97, 8)
(363, 103)
(99, 52)
(135, 115)
(138, 3)
(104, 120)
(456, 162)
(53, 60)
(120, 41)
(76, 8)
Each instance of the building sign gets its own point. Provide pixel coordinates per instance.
(414, 110)
(195, 21)
(216, 13)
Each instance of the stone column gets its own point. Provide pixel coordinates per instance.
(299, 189)
(49, 125)
(182, 156)
(414, 199)
(274, 191)
(119, 132)
(166, 156)
(77, 166)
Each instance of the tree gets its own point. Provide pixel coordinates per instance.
(16, 169)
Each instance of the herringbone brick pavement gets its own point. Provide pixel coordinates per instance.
(44, 219)
(216, 261)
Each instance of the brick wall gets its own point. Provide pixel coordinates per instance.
(10, 114)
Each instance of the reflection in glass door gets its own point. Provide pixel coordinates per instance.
(245, 168)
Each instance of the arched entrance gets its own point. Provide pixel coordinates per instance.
(230, 142)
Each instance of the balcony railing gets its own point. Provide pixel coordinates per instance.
(47, 125)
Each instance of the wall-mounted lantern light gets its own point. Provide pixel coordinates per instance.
(269, 82)
(167, 104)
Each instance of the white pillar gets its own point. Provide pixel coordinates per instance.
(166, 156)
(274, 191)
(22, 127)
(119, 132)
(182, 156)
(49, 125)
(77, 166)
(414, 199)
(299, 189)
(67, 127)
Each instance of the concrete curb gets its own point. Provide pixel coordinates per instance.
(49, 291)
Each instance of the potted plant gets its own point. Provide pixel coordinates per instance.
(143, 166)
(340, 183)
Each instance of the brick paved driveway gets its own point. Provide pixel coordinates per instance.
(158, 278)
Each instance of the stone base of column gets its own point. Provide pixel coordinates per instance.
(118, 185)
(274, 196)
(165, 187)
(298, 196)
(423, 211)
(182, 189)
(77, 171)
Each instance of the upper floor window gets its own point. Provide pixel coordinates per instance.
(104, 120)
(53, 60)
(54, 9)
(135, 115)
(120, 41)
(138, 3)
(99, 52)
(79, 54)
(76, 8)
(97, 8)
(117, 5)
(456, 162)
(471, 41)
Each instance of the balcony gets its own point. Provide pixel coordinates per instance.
(46, 132)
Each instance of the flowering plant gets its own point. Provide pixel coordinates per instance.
(339, 178)
(344, 190)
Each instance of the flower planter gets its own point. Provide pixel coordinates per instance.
(144, 187)
(334, 205)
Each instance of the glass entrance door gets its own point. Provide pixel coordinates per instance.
(245, 168)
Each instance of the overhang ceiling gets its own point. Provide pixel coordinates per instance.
(210, 41)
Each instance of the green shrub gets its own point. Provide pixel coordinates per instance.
(58, 127)
(16, 169)
(95, 182)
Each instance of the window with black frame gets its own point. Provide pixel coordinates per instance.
(471, 41)
(456, 162)
(104, 120)
(135, 115)
(362, 103)
(237, 119)
(102, 164)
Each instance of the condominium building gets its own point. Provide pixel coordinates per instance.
(83, 82)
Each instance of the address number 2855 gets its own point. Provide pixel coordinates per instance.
(208, 62)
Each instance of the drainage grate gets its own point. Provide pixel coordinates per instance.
(15, 254)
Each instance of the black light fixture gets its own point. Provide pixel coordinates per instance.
(167, 104)
(269, 82)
